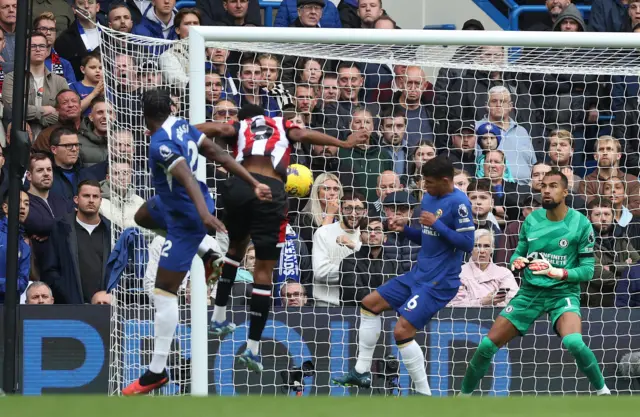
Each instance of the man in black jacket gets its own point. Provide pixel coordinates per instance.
(79, 247)
(366, 270)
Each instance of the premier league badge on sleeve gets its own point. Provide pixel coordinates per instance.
(462, 210)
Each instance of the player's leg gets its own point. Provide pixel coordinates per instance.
(268, 228)
(568, 325)
(151, 216)
(415, 313)
(179, 249)
(514, 320)
(238, 241)
(236, 197)
(390, 295)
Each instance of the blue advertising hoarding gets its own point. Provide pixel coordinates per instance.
(65, 349)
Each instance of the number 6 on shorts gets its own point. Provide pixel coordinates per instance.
(413, 303)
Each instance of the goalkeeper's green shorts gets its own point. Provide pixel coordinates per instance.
(527, 306)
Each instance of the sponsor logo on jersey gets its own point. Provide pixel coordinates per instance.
(555, 260)
(438, 213)
(165, 152)
(429, 231)
(462, 210)
(563, 243)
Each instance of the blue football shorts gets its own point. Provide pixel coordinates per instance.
(414, 300)
(185, 232)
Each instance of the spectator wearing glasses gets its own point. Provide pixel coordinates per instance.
(45, 23)
(482, 282)
(367, 269)
(67, 168)
(43, 86)
(292, 294)
(289, 11)
(331, 244)
(225, 110)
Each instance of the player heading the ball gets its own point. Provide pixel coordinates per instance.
(181, 210)
(262, 145)
(555, 252)
(446, 235)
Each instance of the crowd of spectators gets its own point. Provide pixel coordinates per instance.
(503, 130)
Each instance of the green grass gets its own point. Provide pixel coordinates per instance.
(99, 406)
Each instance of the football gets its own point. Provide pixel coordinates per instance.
(299, 181)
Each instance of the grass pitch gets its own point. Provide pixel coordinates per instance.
(102, 406)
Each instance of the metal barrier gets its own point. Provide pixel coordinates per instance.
(515, 12)
(268, 7)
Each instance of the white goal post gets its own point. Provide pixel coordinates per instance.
(199, 36)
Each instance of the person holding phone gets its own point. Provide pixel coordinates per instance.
(483, 283)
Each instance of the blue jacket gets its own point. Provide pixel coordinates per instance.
(130, 246)
(152, 29)
(63, 69)
(609, 16)
(288, 13)
(67, 189)
(24, 260)
(60, 267)
(43, 214)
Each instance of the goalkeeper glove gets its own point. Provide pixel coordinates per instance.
(519, 263)
(544, 267)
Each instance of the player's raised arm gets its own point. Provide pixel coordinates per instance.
(316, 138)
(218, 130)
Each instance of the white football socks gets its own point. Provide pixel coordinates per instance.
(413, 359)
(368, 334)
(165, 324)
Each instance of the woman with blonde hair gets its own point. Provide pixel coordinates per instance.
(323, 207)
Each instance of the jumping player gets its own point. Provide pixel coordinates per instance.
(181, 210)
(555, 251)
(446, 235)
(263, 145)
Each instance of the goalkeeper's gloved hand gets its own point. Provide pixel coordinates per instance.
(519, 263)
(544, 267)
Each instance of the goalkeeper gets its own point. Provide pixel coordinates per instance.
(555, 250)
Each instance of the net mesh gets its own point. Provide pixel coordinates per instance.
(548, 105)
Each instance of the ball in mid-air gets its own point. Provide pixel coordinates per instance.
(299, 181)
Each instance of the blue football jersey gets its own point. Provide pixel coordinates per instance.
(439, 262)
(176, 140)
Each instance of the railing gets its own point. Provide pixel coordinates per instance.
(267, 5)
(515, 12)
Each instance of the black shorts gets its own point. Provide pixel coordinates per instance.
(245, 215)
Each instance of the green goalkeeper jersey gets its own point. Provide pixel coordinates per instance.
(565, 244)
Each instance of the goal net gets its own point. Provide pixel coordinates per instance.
(504, 114)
